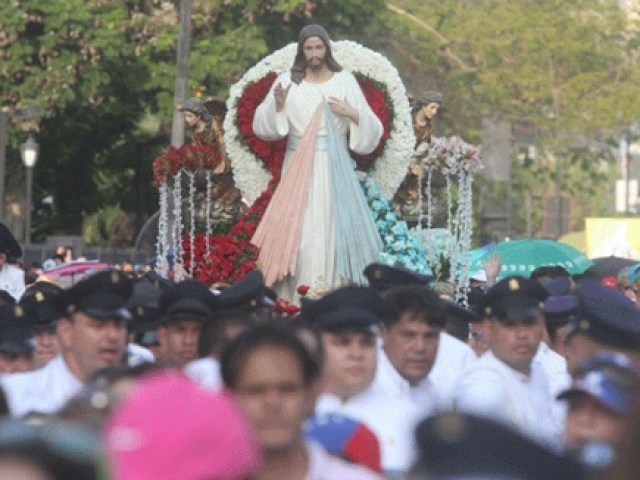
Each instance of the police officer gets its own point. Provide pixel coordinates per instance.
(505, 384)
(92, 332)
(606, 321)
(184, 308)
(453, 356)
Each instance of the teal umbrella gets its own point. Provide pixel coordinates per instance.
(521, 257)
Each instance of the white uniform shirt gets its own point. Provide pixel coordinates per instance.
(41, 391)
(137, 355)
(555, 367)
(205, 372)
(492, 389)
(402, 407)
(12, 280)
(452, 359)
(323, 466)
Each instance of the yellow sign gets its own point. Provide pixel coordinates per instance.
(613, 236)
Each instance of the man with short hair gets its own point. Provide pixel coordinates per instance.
(410, 332)
(600, 401)
(274, 378)
(184, 308)
(34, 309)
(505, 384)
(92, 331)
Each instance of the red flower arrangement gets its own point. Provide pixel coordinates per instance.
(191, 156)
(232, 256)
(285, 307)
(272, 153)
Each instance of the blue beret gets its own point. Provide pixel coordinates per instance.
(102, 295)
(513, 299)
(385, 277)
(346, 307)
(187, 300)
(607, 316)
(561, 308)
(609, 378)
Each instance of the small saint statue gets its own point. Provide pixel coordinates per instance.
(406, 200)
(204, 118)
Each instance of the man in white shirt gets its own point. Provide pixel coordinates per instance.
(506, 384)
(92, 332)
(453, 356)
(347, 319)
(410, 333)
(11, 278)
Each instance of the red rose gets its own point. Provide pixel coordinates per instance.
(302, 289)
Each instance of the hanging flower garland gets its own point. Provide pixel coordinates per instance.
(452, 157)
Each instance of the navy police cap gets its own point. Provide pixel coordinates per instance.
(248, 292)
(513, 299)
(187, 300)
(35, 305)
(385, 277)
(456, 446)
(346, 307)
(102, 295)
(607, 316)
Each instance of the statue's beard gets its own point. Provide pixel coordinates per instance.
(316, 66)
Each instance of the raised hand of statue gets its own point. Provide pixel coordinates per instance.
(281, 96)
(344, 108)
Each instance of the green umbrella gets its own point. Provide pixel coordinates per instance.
(521, 257)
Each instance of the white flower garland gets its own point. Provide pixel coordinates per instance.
(451, 157)
(250, 173)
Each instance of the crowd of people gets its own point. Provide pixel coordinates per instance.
(136, 377)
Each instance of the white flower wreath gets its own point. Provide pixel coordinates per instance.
(250, 173)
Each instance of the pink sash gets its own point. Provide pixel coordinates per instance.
(279, 232)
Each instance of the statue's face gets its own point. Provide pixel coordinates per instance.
(314, 51)
(190, 118)
(431, 109)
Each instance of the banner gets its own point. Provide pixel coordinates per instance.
(613, 236)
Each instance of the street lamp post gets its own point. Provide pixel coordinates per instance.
(29, 152)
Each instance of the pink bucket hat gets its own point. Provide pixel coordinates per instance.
(169, 428)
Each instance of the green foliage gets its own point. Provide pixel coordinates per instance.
(104, 73)
(98, 227)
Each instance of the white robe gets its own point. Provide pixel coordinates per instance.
(316, 260)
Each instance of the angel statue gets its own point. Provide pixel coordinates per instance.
(204, 118)
(407, 198)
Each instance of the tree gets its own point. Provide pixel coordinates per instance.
(103, 71)
(569, 71)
